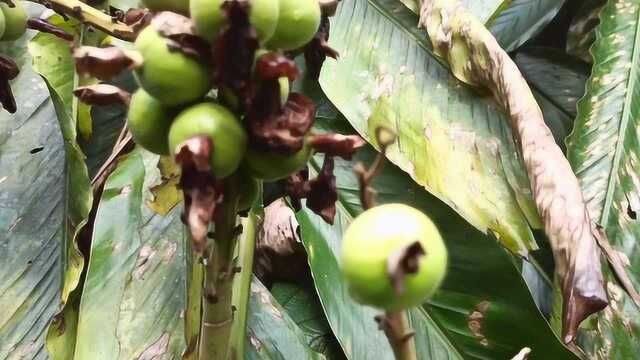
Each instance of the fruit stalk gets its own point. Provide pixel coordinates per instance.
(401, 336)
(217, 309)
(91, 16)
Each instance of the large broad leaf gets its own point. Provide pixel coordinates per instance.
(271, 333)
(134, 291)
(304, 308)
(482, 296)
(557, 81)
(388, 75)
(517, 21)
(45, 196)
(604, 151)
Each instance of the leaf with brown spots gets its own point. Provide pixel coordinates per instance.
(477, 59)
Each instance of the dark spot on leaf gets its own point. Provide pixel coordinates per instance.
(36, 150)
(632, 213)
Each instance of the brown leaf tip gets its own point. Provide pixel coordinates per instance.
(402, 262)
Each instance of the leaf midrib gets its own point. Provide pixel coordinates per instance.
(624, 123)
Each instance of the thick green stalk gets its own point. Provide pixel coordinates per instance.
(217, 310)
(242, 285)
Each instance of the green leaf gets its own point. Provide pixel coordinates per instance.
(517, 21)
(603, 151)
(46, 198)
(271, 333)
(303, 307)
(557, 82)
(133, 294)
(483, 283)
(388, 75)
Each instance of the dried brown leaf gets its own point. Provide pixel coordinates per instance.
(316, 52)
(104, 63)
(102, 94)
(479, 61)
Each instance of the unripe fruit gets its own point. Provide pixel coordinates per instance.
(177, 6)
(169, 76)
(149, 122)
(298, 23)
(208, 17)
(269, 166)
(15, 20)
(221, 126)
(377, 234)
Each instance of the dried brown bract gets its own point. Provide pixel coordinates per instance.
(137, 19)
(233, 52)
(273, 66)
(317, 51)
(102, 94)
(402, 262)
(103, 63)
(323, 194)
(343, 146)
(277, 129)
(8, 71)
(202, 192)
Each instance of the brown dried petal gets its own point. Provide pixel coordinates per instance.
(103, 63)
(272, 66)
(297, 187)
(8, 68)
(403, 261)
(201, 190)
(234, 51)
(6, 96)
(137, 19)
(343, 146)
(102, 94)
(44, 26)
(280, 131)
(191, 45)
(168, 23)
(322, 192)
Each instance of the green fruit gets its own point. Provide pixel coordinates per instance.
(208, 17)
(169, 76)
(149, 122)
(2, 24)
(298, 23)
(15, 21)
(221, 126)
(373, 237)
(248, 187)
(271, 167)
(177, 6)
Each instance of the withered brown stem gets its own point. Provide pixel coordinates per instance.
(90, 16)
(217, 310)
(384, 137)
(399, 333)
(44, 26)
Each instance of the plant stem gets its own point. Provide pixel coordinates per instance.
(217, 310)
(242, 285)
(90, 16)
(396, 327)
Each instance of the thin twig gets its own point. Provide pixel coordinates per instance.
(124, 140)
(385, 137)
(401, 336)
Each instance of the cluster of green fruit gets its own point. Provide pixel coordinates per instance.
(373, 244)
(13, 21)
(171, 105)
